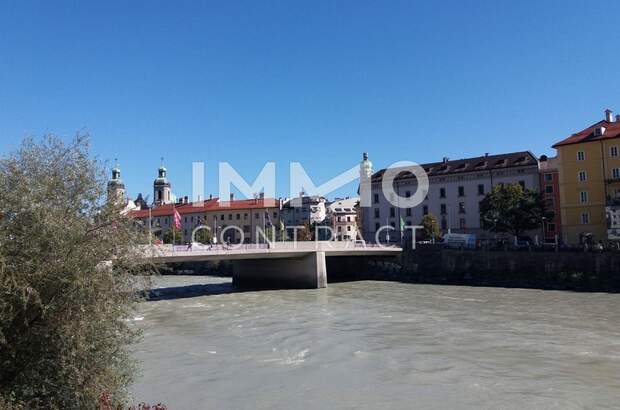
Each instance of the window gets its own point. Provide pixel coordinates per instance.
(425, 210)
(581, 156)
(275, 214)
(583, 176)
(442, 192)
(245, 216)
(348, 227)
(348, 219)
(583, 197)
(462, 223)
(238, 216)
(480, 189)
(377, 226)
(393, 225)
(376, 198)
(615, 173)
(408, 212)
(392, 212)
(522, 183)
(613, 151)
(222, 217)
(444, 224)
(185, 219)
(461, 207)
(376, 212)
(549, 203)
(443, 209)
(408, 194)
(461, 191)
(338, 219)
(548, 189)
(585, 218)
(230, 217)
(339, 228)
(548, 177)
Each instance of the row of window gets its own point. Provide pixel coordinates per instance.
(443, 210)
(613, 152)
(582, 176)
(442, 192)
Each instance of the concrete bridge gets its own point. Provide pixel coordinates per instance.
(278, 264)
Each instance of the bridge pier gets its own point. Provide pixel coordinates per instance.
(307, 271)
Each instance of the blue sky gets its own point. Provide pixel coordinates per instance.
(316, 82)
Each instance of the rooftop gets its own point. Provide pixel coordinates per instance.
(610, 129)
(459, 166)
(208, 205)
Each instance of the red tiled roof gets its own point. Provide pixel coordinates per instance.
(209, 205)
(612, 130)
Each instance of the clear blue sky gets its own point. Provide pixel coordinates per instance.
(317, 81)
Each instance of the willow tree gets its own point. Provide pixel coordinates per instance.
(66, 287)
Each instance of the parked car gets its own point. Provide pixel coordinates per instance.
(459, 241)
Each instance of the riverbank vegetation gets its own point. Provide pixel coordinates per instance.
(66, 284)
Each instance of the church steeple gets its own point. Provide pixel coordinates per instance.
(161, 186)
(116, 187)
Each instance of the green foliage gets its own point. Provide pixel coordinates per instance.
(63, 308)
(203, 236)
(510, 208)
(168, 235)
(430, 227)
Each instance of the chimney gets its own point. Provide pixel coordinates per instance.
(445, 159)
(232, 196)
(185, 199)
(210, 197)
(609, 115)
(486, 154)
(261, 195)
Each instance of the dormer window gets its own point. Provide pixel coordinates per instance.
(599, 131)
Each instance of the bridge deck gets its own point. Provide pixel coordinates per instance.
(276, 250)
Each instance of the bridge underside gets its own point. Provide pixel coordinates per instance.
(307, 271)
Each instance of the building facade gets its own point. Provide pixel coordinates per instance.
(589, 164)
(234, 221)
(303, 210)
(456, 188)
(343, 214)
(550, 188)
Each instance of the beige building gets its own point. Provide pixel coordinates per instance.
(234, 221)
(343, 216)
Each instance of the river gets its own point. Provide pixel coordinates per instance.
(376, 345)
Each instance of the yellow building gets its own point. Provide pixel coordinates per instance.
(589, 165)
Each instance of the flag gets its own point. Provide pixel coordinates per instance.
(177, 218)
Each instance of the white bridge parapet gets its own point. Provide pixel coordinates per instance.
(283, 264)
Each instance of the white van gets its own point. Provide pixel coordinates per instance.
(459, 240)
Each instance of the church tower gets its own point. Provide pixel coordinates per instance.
(161, 187)
(116, 187)
(366, 172)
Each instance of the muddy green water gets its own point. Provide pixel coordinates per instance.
(377, 345)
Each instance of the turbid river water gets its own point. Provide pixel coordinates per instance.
(377, 345)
